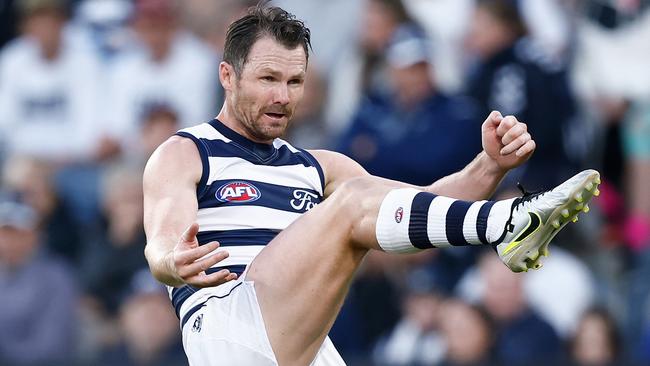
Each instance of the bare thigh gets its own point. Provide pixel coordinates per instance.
(302, 276)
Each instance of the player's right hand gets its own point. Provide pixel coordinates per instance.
(190, 261)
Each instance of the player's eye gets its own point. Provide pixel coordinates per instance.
(268, 78)
(295, 81)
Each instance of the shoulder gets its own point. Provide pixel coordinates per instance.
(177, 148)
(328, 157)
(176, 157)
(337, 168)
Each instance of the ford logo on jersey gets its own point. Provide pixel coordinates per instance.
(238, 192)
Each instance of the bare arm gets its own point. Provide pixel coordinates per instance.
(170, 208)
(506, 144)
(477, 181)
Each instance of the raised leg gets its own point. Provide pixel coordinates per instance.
(302, 276)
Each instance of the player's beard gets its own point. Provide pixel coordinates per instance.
(251, 118)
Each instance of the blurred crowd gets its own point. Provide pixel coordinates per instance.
(90, 88)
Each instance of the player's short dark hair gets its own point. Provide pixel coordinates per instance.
(263, 21)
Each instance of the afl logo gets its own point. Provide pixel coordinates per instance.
(238, 192)
(399, 214)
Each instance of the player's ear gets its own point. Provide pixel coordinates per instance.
(227, 75)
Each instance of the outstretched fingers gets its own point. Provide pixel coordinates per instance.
(213, 279)
(191, 260)
(189, 236)
(201, 265)
(185, 256)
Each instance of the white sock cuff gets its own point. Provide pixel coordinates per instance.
(499, 215)
(392, 227)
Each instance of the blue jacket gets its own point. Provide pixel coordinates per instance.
(437, 137)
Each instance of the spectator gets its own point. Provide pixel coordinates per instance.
(33, 180)
(415, 134)
(514, 77)
(210, 19)
(362, 323)
(171, 68)
(468, 334)
(504, 300)
(150, 332)
(49, 90)
(157, 124)
(308, 129)
(100, 27)
(117, 254)
(39, 294)
(416, 339)
(362, 69)
(597, 341)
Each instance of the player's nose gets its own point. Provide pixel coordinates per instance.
(281, 95)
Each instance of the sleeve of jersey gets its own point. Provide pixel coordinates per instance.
(202, 187)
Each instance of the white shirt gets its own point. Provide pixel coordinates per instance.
(48, 109)
(186, 81)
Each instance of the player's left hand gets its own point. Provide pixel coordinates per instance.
(506, 141)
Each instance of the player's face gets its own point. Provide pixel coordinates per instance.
(265, 96)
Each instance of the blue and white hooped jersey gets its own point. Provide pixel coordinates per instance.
(248, 193)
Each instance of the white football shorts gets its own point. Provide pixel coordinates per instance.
(224, 326)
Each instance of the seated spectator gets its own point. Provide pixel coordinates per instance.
(49, 90)
(597, 341)
(512, 75)
(416, 339)
(361, 323)
(564, 277)
(149, 329)
(39, 294)
(171, 67)
(157, 124)
(467, 333)
(32, 179)
(117, 253)
(505, 301)
(362, 69)
(415, 134)
(307, 129)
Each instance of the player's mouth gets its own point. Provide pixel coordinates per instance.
(275, 116)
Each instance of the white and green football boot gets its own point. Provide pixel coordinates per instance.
(537, 217)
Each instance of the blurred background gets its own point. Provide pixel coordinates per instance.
(88, 89)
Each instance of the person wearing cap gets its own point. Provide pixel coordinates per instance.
(37, 311)
(397, 135)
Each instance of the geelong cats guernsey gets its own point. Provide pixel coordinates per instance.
(247, 194)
